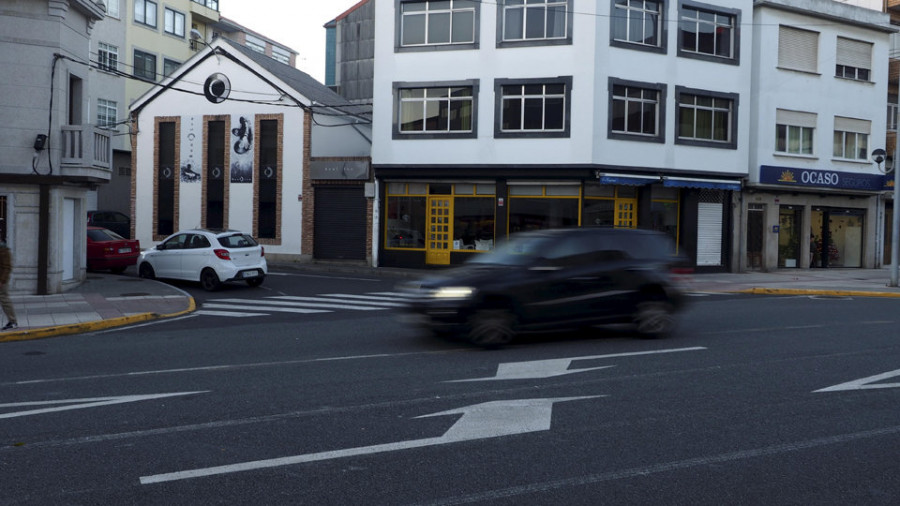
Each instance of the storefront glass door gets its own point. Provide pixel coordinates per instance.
(439, 236)
(789, 220)
(836, 237)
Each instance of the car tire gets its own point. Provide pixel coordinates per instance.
(209, 280)
(254, 282)
(491, 328)
(146, 271)
(654, 318)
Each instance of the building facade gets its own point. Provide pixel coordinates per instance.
(495, 118)
(54, 154)
(814, 196)
(235, 139)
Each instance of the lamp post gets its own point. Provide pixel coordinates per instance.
(879, 156)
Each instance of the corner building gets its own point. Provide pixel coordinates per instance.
(493, 118)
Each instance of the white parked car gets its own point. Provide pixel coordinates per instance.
(211, 257)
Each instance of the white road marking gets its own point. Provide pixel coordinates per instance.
(345, 299)
(865, 383)
(82, 403)
(267, 308)
(481, 421)
(229, 314)
(266, 303)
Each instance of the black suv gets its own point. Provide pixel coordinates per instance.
(549, 279)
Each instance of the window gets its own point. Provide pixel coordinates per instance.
(854, 59)
(533, 106)
(892, 116)
(536, 207)
(165, 220)
(107, 111)
(281, 55)
(638, 22)
(405, 215)
(706, 118)
(851, 138)
(144, 65)
(798, 49)
(112, 8)
(436, 22)
(525, 20)
(637, 110)
(266, 225)
(707, 33)
(214, 195)
(212, 4)
(107, 57)
(437, 110)
(145, 12)
(255, 43)
(170, 66)
(794, 132)
(174, 23)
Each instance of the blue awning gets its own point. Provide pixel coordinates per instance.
(627, 179)
(712, 184)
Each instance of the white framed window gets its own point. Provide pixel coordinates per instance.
(892, 117)
(437, 22)
(798, 49)
(637, 22)
(853, 59)
(535, 19)
(281, 55)
(145, 12)
(635, 110)
(706, 32)
(170, 66)
(533, 106)
(706, 118)
(255, 43)
(436, 110)
(795, 132)
(112, 8)
(107, 111)
(144, 65)
(107, 57)
(851, 138)
(174, 23)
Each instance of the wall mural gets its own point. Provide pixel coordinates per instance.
(241, 150)
(190, 149)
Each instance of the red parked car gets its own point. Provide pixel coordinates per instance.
(109, 250)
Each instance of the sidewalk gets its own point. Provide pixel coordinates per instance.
(108, 300)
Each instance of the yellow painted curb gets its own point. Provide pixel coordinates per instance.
(79, 328)
(834, 293)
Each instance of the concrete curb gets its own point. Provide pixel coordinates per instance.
(833, 293)
(79, 328)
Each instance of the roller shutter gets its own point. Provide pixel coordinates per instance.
(340, 223)
(709, 234)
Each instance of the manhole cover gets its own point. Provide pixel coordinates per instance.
(138, 294)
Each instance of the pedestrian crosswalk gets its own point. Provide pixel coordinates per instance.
(322, 303)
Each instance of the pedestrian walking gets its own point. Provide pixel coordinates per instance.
(5, 302)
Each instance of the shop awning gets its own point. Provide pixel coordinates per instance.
(713, 184)
(627, 179)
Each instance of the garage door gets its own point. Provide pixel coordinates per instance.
(340, 226)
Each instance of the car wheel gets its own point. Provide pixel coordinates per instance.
(117, 270)
(146, 271)
(209, 280)
(256, 281)
(491, 327)
(654, 318)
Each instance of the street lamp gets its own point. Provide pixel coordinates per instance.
(879, 156)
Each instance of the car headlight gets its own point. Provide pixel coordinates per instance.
(453, 292)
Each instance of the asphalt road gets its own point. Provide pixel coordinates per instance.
(758, 399)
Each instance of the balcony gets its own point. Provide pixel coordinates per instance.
(86, 151)
(205, 11)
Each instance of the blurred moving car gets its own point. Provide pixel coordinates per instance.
(118, 222)
(209, 256)
(108, 250)
(549, 279)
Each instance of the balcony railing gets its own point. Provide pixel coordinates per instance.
(86, 146)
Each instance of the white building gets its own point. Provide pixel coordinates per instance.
(234, 139)
(496, 117)
(820, 78)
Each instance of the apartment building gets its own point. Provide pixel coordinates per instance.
(814, 196)
(491, 118)
(53, 153)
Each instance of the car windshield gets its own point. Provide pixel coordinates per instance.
(518, 251)
(104, 235)
(237, 241)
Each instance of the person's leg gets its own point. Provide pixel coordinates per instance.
(8, 308)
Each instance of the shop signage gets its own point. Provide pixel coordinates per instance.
(346, 169)
(791, 176)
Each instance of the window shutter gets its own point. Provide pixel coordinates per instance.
(859, 126)
(854, 53)
(798, 49)
(709, 233)
(795, 118)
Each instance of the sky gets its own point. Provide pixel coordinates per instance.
(297, 24)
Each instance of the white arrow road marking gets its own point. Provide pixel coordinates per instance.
(865, 383)
(539, 369)
(83, 403)
(481, 421)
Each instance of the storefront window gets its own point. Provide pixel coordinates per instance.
(405, 216)
(664, 211)
(535, 213)
(789, 220)
(473, 223)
